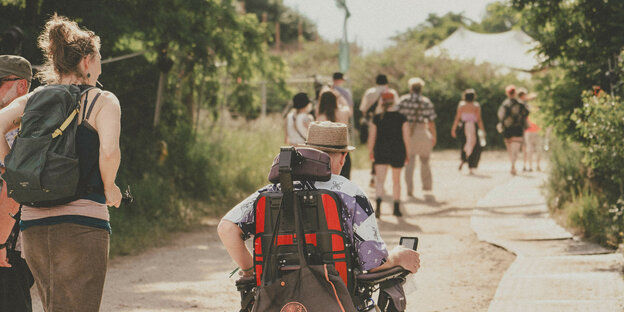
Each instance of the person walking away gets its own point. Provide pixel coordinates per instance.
(15, 276)
(532, 141)
(66, 246)
(467, 119)
(330, 110)
(388, 146)
(369, 108)
(338, 81)
(512, 116)
(420, 114)
(298, 120)
(239, 223)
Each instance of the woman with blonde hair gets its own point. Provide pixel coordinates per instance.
(467, 119)
(66, 246)
(388, 145)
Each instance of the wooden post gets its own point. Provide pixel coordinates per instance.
(161, 85)
(277, 36)
(264, 97)
(299, 35)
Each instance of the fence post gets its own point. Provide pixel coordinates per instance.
(263, 93)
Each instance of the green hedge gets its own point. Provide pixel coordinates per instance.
(587, 178)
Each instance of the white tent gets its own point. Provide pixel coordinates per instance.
(511, 49)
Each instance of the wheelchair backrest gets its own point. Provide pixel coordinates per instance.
(322, 215)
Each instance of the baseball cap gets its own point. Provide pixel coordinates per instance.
(15, 65)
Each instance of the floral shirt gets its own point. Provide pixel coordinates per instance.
(358, 219)
(417, 108)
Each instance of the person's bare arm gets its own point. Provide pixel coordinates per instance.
(401, 256)
(405, 128)
(455, 122)
(434, 135)
(108, 125)
(231, 237)
(372, 137)
(10, 118)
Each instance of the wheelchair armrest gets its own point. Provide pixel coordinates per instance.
(245, 281)
(382, 276)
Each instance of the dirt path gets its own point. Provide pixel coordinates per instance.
(458, 272)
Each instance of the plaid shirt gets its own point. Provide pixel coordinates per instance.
(417, 108)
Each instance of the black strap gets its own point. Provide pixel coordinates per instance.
(84, 111)
(92, 105)
(269, 270)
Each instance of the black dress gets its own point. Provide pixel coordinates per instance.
(389, 146)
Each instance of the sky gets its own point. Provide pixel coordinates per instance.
(373, 22)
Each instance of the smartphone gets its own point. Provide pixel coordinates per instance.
(409, 242)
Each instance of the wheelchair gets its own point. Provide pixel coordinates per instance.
(309, 165)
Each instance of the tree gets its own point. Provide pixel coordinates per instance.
(584, 39)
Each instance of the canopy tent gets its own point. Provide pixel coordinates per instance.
(511, 49)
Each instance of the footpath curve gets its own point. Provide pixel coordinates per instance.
(553, 270)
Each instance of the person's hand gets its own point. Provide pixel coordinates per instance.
(4, 261)
(371, 156)
(406, 258)
(113, 196)
(453, 134)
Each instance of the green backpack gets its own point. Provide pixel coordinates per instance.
(42, 167)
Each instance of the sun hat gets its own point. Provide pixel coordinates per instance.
(300, 100)
(15, 65)
(415, 81)
(328, 136)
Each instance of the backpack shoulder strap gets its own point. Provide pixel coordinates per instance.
(92, 105)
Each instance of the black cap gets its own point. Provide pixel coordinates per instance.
(338, 76)
(381, 79)
(300, 100)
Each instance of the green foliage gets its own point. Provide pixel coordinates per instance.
(575, 35)
(289, 20)
(499, 17)
(567, 177)
(230, 161)
(601, 125)
(434, 29)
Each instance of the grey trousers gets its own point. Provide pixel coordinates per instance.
(68, 262)
(421, 144)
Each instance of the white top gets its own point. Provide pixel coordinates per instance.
(295, 127)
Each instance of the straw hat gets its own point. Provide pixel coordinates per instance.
(329, 136)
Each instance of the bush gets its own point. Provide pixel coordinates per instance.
(228, 160)
(587, 174)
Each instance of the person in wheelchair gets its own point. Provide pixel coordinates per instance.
(358, 220)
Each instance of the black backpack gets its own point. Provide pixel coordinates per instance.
(42, 167)
(516, 114)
